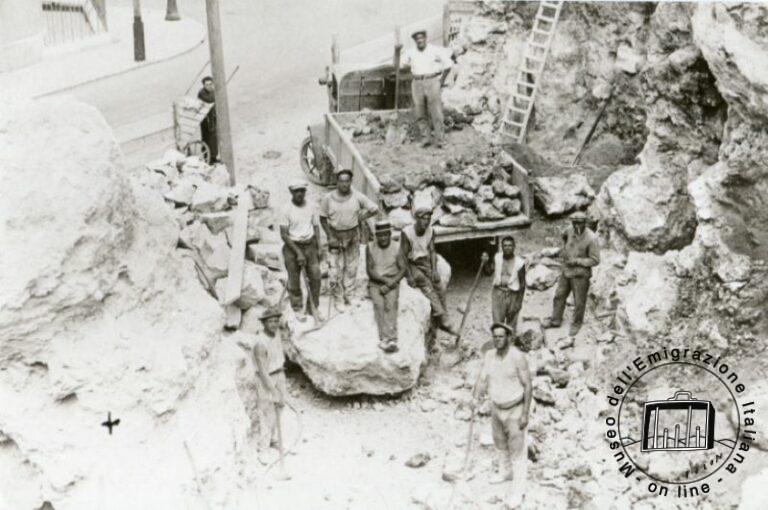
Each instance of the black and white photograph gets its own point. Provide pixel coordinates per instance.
(383, 255)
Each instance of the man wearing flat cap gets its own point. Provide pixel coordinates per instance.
(268, 358)
(417, 244)
(506, 379)
(386, 267)
(579, 255)
(343, 213)
(429, 66)
(300, 231)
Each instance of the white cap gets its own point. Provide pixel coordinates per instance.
(297, 184)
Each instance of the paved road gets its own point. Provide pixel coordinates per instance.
(282, 47)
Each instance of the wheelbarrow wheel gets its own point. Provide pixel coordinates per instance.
(198, 148)
(309, 164)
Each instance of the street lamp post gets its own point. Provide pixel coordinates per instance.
(138, 33)
(171, 11)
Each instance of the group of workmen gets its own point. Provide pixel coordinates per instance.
(344, 215)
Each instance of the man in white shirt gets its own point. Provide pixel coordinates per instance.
(429, 66)
(341, 213)
(300, 231)
(508, 284)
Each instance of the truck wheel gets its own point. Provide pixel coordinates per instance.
(309, 164)
(198, 148)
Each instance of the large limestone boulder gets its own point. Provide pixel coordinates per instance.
(343, 357)
(646, 207)
(560, 195)
(100, 313)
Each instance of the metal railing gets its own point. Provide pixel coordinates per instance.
(67, 21)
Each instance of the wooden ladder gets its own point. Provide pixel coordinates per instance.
(514, 123)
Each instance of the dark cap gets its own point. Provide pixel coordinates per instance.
(344, 171)
(504, 326)
(270, 312)
(418, 33)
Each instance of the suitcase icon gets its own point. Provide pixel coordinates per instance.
(679, 423)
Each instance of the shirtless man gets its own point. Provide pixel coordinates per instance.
(506, 379)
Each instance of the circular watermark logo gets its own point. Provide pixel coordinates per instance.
(677, 423)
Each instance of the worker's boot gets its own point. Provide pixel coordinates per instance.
(575, 328)
(550, 323)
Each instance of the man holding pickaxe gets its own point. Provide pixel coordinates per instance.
(506, 379)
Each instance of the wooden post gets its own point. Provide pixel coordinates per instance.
(220, 83)
(139, 55)
(171, 11)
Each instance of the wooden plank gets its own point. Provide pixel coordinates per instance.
(237, 254)
(232, 317)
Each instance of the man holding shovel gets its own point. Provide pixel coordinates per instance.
(300, 231)
(505, 377)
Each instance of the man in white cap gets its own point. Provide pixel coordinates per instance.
(417, 244)
(300, 231)
(386, 267)
(507, 380)
(579, 254)
(342, 214)
(429, 66)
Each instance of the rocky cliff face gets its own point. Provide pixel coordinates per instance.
(95, 307)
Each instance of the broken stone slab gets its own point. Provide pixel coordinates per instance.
(628, 59)
(466, 218)
(530, 333)
(343, 357)
(259, 197)
(456, 195)
(455, 208)
(210, 198)
(418, 460)
(504, 189)
(216, 222)
(387, 184)
(487, 212)
(509, 206)
(400, 218)
(212, 249)
(219, 176)
(253, 292)
(485, 192)
(266, 254)
(182, 192)
(540, 277)
(471, 181)
(558, 195)
(394, 200)
(429, 195)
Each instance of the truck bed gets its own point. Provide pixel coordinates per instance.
(342, 150)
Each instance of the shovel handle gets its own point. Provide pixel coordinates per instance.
(469, 300)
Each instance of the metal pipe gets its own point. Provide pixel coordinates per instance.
(655, 428)
(172, 11)
(139, 54)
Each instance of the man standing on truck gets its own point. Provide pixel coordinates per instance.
(430, 66)
(508, 284)
(386, 267)
(208, 125)
(343, 212)
(579, 254)
(505, 376)
(300, 231)
(417, 243)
